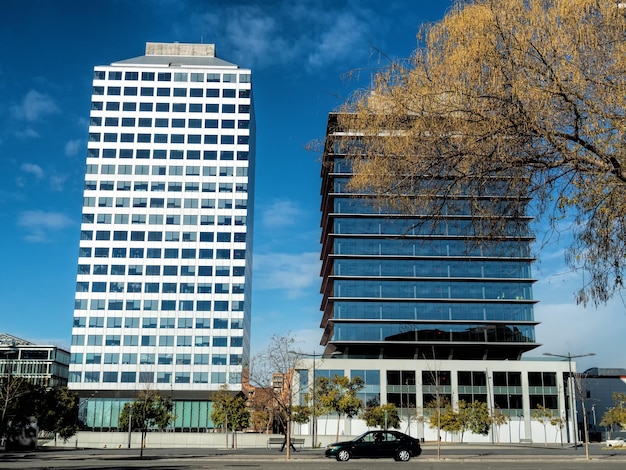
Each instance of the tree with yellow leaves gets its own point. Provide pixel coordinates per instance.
(508, 108)
(616, 415)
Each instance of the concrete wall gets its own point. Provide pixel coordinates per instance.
(515, 431)
(164, 439)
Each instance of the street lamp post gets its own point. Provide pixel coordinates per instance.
(313, 427)
(572, 393)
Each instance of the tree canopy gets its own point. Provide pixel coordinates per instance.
(544, 416)
(383, 416)
(530, 93)
(230, 410)
(498, 419)
(58, 412)
(475, 417)
(149, 410)
(55, 409)
(616, 415)
(339, 395)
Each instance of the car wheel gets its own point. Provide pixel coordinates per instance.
(343, 455)
(403, 455)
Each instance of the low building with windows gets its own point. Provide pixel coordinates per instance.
(514, 389)
(46, 365)
(599, 386)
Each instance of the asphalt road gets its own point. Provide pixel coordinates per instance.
(467, 457)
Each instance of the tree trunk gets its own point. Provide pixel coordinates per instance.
(288, 439)
(226, 429)
(142, 444)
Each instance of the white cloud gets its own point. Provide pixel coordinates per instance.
(280, 214)
(39, 224)
(339, 40)
(33, 169)
(34, 106)
(307, 339)
(568, 328)
(290, 273)
(572, 329)
(252, 36)
(263, 36)
(72, 147)
(57, 182)
(28, 133)
(82, 122)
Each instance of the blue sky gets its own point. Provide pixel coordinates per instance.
(300, 53)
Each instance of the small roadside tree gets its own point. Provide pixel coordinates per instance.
(434, 406)
(260, 420)
(611, 418)
(474, 417)
(55, 409)
(616, 415)
(312, 398)
(339, 395)
(498, 419)
(57, 412)
(230, 411)
(434, 411)
(544, 416)
(149, 410)
(450, 420)
(382, 416)
(559, 423)
(12, 390)
(300, 414)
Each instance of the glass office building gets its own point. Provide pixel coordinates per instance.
(44, 365)
(163, 284)
(396, 288)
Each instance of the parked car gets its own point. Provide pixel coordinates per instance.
(376, 444)
(617, 442)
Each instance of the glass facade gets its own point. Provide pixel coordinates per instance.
(164, 263)
(103, 415)
(420, 285)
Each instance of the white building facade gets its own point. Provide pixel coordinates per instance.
(164, 269)
(509, 388)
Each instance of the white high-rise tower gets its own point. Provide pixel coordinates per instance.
(164, 269)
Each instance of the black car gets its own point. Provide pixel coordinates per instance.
(376, 444)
